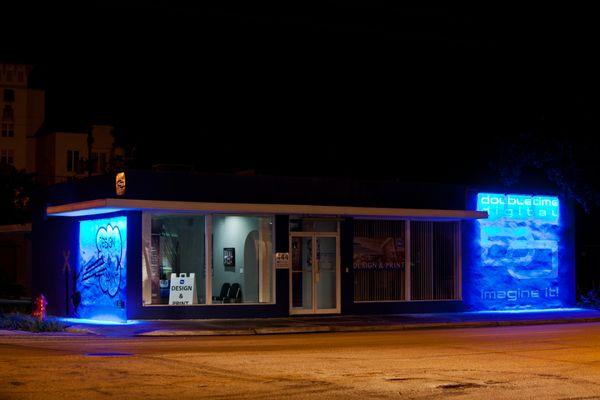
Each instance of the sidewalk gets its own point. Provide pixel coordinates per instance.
(315, 324)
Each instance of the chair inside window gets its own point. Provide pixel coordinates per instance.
(223, 296)
(235, 294)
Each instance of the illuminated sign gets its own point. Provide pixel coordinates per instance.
(516, 206)
(101, 270)
(518, 247)
(120, 184)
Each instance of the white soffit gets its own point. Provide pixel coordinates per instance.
(104, 206)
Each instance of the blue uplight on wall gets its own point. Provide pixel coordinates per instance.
(518, 251)
(102, 269)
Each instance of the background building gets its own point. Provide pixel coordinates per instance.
(29, 143)
(61, 155)
(47, 151)
(22, 115)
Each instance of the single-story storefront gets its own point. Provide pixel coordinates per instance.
(152, 245)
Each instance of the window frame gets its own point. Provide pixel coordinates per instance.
(73, 161)
(7, 156)
(208, 261)
(8, 129)
(9, 95)
(408, 264)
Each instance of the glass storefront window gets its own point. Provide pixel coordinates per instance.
(173, 244)
(242, 257)
(379, 260)
(434, 260)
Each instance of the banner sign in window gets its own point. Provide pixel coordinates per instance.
(183, 290)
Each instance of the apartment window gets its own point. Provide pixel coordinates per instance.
(8, 130)
(7, 156)
(98, 162)
(73, 161)
(9, 95)
(8, 113)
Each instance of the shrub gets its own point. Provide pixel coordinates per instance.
(24, 322)
(591, 299)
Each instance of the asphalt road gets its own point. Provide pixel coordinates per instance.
(545, 362)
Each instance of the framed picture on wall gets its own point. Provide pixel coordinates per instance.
(229, 256)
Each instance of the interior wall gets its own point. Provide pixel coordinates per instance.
(232, 231)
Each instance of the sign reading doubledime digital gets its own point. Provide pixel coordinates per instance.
(182, 290)
(517, 206)
(519, 246)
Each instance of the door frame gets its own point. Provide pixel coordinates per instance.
(338, 296)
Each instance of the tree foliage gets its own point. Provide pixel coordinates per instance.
(16, 190)
(566, 160)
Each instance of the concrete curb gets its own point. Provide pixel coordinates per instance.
(362, 328)
(199, 332)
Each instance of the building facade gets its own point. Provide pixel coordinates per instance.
(63, 156)
(175, 245)
(21, 116)
(28, 144)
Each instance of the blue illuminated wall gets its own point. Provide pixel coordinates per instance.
(519, 254)
(101, 269)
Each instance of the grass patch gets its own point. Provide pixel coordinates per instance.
(24, 322)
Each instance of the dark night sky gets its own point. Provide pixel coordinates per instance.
(341, 90)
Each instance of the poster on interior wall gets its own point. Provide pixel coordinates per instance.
(518, 248)
(229, 257)
(101, 269)
(378, 253)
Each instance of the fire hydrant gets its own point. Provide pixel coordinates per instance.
(39, 307)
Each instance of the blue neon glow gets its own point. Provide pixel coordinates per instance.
(518, 206)
(518, 249)
(101, 270)
(531, 311)
(97, 321)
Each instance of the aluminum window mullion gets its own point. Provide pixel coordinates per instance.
(407, 269)
(208, 231)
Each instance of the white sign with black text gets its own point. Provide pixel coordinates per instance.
(183, 290)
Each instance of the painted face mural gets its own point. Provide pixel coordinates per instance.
(101, 275)
(110, 249)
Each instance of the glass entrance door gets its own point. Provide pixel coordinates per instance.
(314, 275)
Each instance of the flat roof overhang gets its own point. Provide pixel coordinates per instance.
(104, 206)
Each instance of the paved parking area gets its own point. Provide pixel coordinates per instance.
(538, 362)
